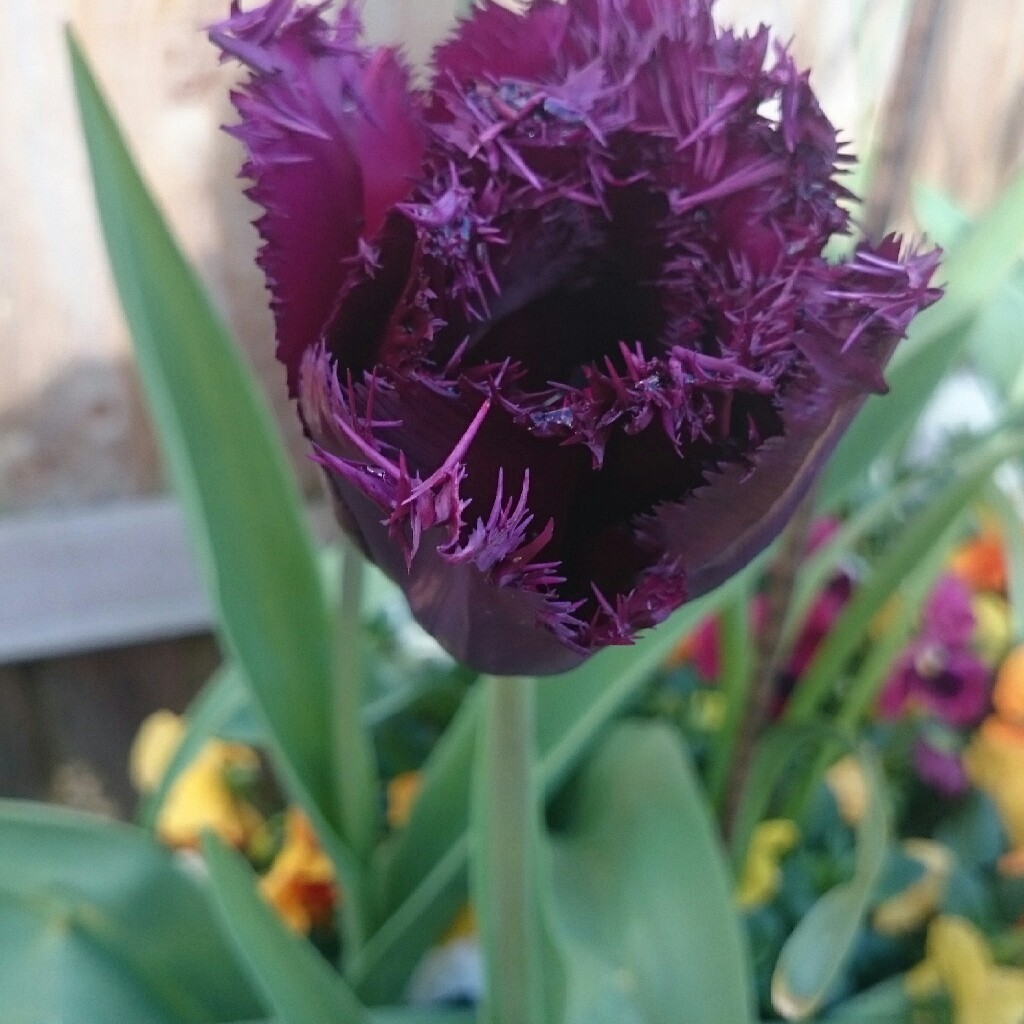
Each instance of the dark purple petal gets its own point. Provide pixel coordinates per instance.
(497, 43)
(334, 141)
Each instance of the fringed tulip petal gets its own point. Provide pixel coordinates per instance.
(560, 325)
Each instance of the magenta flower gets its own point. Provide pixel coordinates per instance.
(939, 672)
(559, 324)
(941, 770)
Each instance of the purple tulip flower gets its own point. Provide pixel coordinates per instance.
(559, 323)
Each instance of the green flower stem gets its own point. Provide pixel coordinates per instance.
(755, 713)
(504, 866)
(354, 769)
(737, 661)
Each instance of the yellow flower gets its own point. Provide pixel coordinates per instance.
(910, 909)
(200, 798)
(301, 883)
(849, 786)
(402, 792)
(1008, 692)
(158, 738)
(958, 960)
(762, 875)
(992, 631)
(710, 709)
(994, 760)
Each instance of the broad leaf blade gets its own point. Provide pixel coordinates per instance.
(97, 919)
(816, 951)
(642, 894)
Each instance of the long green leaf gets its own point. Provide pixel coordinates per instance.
(912, 545)
(1011, 524)
(888, 1002)
(860, 696)
(643, 908)
(778, 751)
(737, 658)
(814, 954)
(296, 980)
(98, 923)
(228, 467)
(817, 570)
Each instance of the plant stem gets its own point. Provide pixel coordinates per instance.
(354, 768)
(506, 826)
(755, 716)
(736, 657)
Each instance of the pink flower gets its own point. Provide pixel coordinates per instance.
(939, 671)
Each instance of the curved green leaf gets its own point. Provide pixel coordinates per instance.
(815, 952)
(296, 980)
(231, 474)
(641, 893)
(98, 923)
(909, 549)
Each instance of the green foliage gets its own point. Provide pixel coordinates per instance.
(640, 895)
(99, 923)
(295, 980)
(224, 458)
(814, 953)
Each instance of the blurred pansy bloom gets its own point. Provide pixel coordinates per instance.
(300, 883)
(959, 961)
(912, 908)
(994, 760)
(762, 871)
(995, 756)
(940, 672)
(993, 632)
(981, 561)
(940, 766)
(559, 324)
(204, 796)
(848, 784)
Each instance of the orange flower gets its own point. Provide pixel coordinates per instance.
(301, 884)
(1008, 693)
(981, 561)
